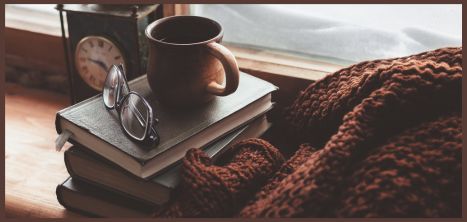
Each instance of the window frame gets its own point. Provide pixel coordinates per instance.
(268, 61)
(290, 73)
(249, 59)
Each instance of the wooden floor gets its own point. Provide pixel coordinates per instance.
(32, 166)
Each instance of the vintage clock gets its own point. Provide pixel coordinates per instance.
(99, 36)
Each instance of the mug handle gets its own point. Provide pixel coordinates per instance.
(230, 67)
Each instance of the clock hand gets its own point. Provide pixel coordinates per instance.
(99, 63)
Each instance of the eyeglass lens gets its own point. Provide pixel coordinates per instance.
(134, 116)
(109, 92)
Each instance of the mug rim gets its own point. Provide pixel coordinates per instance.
(168, 18)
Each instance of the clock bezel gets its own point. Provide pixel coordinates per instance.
(105, 39)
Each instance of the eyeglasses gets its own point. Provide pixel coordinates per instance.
(135, 113)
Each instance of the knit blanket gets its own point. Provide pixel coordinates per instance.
(380, 138)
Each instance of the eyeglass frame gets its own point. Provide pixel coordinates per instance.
(148, 137)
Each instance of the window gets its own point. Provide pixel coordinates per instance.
(304, 41)
(41, 18)
(340, 33)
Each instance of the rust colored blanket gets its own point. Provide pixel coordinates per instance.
(377, 139)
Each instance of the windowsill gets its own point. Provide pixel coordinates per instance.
(280, 63)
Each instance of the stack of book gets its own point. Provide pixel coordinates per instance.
(114, 176)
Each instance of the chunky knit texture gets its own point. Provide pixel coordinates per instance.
(378, 139)
(215, 191)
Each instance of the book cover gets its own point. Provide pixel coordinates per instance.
(82, 197)
(100, 129)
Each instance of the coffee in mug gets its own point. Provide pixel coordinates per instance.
(187, 65)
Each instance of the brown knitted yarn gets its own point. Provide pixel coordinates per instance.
(404, 93)
(317, 112)
(417, 174)
(304, 153)
(219, 191)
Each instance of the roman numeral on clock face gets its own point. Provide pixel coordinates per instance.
(85, 69)
(94, 55)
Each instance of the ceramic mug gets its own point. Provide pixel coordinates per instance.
(186, 64)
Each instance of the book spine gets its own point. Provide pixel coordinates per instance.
(58, 118)
(69, 167)
(59, 192)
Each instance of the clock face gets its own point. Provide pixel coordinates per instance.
(93, 57)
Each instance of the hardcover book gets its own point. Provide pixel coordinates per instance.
(89, 167)
(95, 127)
(82, 197)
